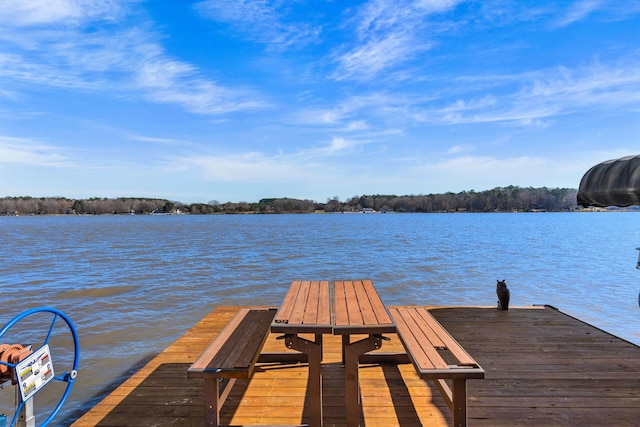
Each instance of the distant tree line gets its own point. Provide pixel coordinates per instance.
(92, 206)
(501, 199)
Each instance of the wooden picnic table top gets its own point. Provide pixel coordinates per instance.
(359, 310)
(305, 308)
(356, 308)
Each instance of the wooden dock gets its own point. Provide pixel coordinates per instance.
(543, 368)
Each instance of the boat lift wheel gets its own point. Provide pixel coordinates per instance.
(14, 365)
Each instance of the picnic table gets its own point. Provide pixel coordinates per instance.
(356, 308)
(346, 308)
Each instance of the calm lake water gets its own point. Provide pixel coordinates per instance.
(133, 284)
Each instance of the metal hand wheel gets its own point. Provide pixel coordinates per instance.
(32, 371)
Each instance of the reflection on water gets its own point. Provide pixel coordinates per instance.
(133, 284)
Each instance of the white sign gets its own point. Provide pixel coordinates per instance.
(34, 372)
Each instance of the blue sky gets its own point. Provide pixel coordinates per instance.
(238, 100)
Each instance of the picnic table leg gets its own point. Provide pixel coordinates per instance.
(352, 353)
(346, 340)
(459, 409)
(319, 342)
(211, 406)
(314, 390)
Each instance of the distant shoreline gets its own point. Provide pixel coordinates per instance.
(500, 199)
(580, 210)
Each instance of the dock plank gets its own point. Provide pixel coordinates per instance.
(543, 367)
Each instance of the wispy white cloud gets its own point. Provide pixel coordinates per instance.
(264, 21)
(497, 13)
(552, 15)
(356, 125)
(338, 146)
(166, 80)
(387, 34)
(578, 11)
(384, 16)
(533, 99)
(255, 166)
(21, 71)
(376, 55)
(156, 140)
(539, 95)
(457, 149)
(250, 167)
(125, 60)
(476, 165)
(596, 85)
(38, 12)
(390, 35)
(344, 113)
(27, 152)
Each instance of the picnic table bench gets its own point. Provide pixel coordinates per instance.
(425, 341)
(232, 355)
